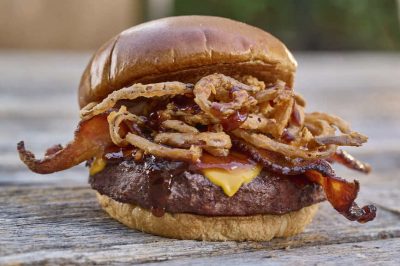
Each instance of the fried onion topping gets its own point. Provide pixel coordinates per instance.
(202, 139)
(116, 118)
(193, 154)
(221, 87)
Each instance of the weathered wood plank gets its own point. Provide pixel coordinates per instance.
(65, 225)
(380, 252)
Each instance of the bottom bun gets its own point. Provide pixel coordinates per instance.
(262, 227)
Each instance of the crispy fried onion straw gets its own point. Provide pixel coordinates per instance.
(351, 139)
(336, 121)
(116, 118)
(203, 139)
(193, 154)
(133, 92)
(321, 124)
(264, 142)
(179, 126)
(230, 95)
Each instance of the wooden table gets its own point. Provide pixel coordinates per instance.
(55, 218)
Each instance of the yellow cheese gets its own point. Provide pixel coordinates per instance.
(231, 180)
(97, 166)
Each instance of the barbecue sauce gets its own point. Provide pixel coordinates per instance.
(160, 173)
(234, 121)
(186, 104)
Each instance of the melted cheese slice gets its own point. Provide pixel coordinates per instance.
(231, 180)
(97, 166)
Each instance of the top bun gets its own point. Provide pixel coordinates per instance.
(184, 49)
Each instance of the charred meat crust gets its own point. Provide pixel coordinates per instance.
(191, 192)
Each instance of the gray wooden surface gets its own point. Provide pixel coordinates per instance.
(55, 219)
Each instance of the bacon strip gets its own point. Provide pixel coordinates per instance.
(91, 138)
(343, 157)
(339, 192)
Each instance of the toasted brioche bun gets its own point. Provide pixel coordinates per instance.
(184, 49)
(221, 228)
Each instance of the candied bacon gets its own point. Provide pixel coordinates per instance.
(91, 138)
(53, 149)
(341, 194)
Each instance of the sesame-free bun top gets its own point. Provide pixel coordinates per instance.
(184, 49)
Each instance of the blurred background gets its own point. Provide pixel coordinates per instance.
(301, 24)
(347, 50)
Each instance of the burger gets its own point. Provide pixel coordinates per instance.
(191, 129)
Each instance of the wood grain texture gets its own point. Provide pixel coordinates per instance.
(55, 219)
(53, 224)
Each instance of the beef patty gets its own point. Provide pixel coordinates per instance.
(162, 185)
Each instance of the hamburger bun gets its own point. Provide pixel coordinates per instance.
(184, 48)
(262, 227)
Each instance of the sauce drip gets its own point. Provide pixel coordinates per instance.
(155, 120)
(186, 104)
(160, 174)
(155, 116)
